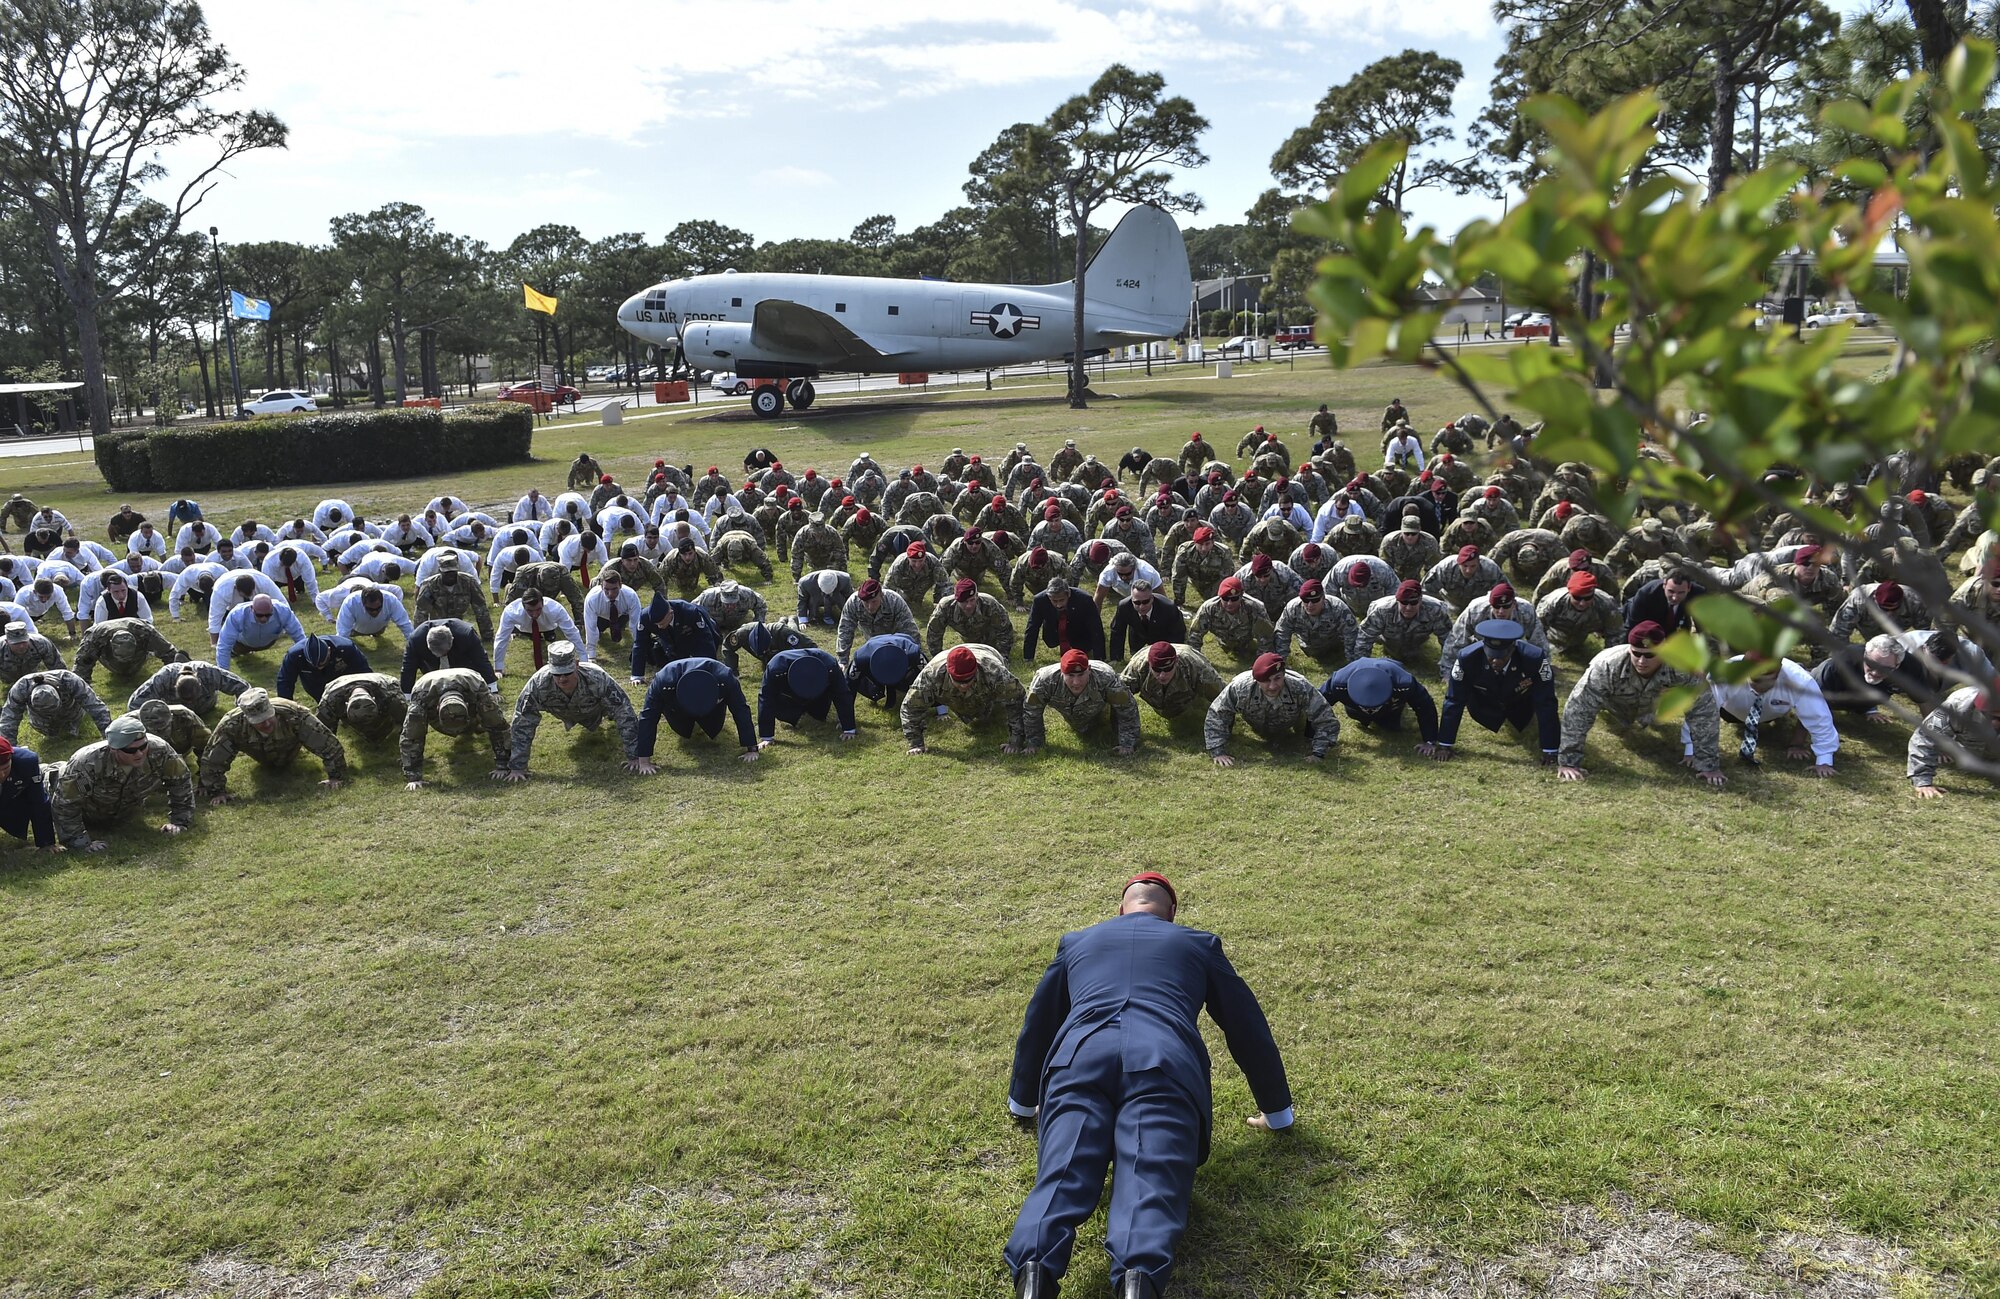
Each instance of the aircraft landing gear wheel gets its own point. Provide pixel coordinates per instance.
(768, 403)
(800, 393)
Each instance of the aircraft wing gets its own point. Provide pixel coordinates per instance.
(790, 327)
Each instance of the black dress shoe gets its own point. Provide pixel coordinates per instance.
(1034, 1281)
(1136, 1285)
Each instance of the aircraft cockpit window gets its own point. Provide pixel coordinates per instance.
(656, 300)
(894, 311)
(736, 302)
(840, 306)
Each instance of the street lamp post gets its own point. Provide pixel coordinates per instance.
(228, 327)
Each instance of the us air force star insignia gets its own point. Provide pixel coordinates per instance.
(1006, 320)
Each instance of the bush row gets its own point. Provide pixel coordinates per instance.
(284, 450)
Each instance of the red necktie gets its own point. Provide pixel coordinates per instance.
(583, 565)
(292, 585)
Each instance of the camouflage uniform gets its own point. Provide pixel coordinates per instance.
(552, 580)
(1245, 631)
(1860, 611)
(1353, 536)
(596, 697)
(1650, 539)
(994, 689)
(295, 728)
(18, 511)
(177, 724)
(1402, 638)
(1065, 462)
(981, 620)
(1467, 532)
(1318, 565)
(1569, 626)
(40, 655)
(1451, 584)
(1610, 683)
(1331, 633)
(1299, 707)
(1204, 570)
(891, 617)
(1825, 592)
(1194, 455)
(740, 548)
(963, 559)
(1275, 536)
(75, 700)
(583, 471)
(1479, 611)
(688, 573)
(1007, 518)
(1194, 685)
(1527, 554)
(1105, 694)
(638, 572)
(1059, 535)
(209, 681)
(914, 579)
(787, 526)
(1958, 721)
(1274, 589)
(1410, 553)
(464, 596)
(817, 546)
(1233, 521)
(101, 642)
(1557, 578)
(481, 712)
(1381, 583)
(1134, 535)
(1322, 425)
(749, 608)
(861, 534)
(93, 787)
(390, 704)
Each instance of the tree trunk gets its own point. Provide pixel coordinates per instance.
(399, 353)
(375, 369)
(1722, 124)
(1079, 378)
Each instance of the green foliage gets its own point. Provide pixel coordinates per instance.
(348, 446)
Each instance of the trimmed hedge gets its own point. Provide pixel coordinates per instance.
(286, 450)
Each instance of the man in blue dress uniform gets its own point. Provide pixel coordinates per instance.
(803, 683)
(1376, 691)
(24, 799)
(1501, 680)
(692, 692)
(884, 668)
(1111, 1058)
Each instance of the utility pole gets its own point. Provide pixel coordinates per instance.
(228, 327)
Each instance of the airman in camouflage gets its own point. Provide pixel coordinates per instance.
(974, 682)
(55, 701)
(575, 694)
(1401, 624)
(1005, 516)
(1195, 454)
(191, 684)
(741, 550)
(1807, 579)
(1322, 425)
(1084, 692)
(1126, 529)
(123, 645)
(1462, 578)
(1056, 533)
(1571, 616)
(19, 512)
(177, 724)
(788, 525)
(1361, 580)
(977, 617)
(1313, 560)
(1325, 628)
(452, 701)
(103, 781)
(1277, 537)
(26, 650)
(584, 473)
(971, 558)
(917, 577)
(1627, 681)
(863, 530)
(1354, 535)
(817, 546)
(1087, 571)
(272, 731)
(1031, 573)
(1239, 623)
(1963, 723)
(1338, 462)
(1174, 680)
(1410, 550)
(1647, 539)
(1275, 704)
(452, 593)
(1201, 563)
(1580, 561)
(372, 703)
(1269, 583)
(552, 579)
(1233, 519)
(873, 610)
(1065, 462)
(1527, 554)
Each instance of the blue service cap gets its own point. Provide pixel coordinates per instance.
(888, 661)
(1369, 686)
(697, 692)
(1498, 629)
(807, 676)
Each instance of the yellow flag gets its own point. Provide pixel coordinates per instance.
(541, 302)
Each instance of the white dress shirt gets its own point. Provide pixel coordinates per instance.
(555, 623)
(355, 620)
(1794, 694)
(597, 607)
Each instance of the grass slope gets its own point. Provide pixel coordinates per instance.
(747, 1029)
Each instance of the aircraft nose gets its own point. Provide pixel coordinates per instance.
(628, 312)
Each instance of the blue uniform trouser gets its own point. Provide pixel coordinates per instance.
(1094, 1114)
(15, 821)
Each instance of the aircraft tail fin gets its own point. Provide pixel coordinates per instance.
(1142, 268)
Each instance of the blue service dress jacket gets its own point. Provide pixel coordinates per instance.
(1152, 977)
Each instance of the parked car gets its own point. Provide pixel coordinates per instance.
(561, 392)
(1292, 338)
(284, 401)
(728, 381)
(1237, 345)
(1840, 316)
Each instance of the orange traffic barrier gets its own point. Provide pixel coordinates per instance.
(664, 393)
(913, 376)
(433, 402)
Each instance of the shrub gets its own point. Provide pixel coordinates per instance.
(282, 450)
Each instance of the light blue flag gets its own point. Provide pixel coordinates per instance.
(248, 308)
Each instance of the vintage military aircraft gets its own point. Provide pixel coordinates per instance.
(800, 327)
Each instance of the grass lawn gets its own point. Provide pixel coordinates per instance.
(746, 1029)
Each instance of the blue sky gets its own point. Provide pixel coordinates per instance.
(786, 118)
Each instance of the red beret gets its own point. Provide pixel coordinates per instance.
(603, 478)
(1888, 595)
(1424, 477)
(1195, 436)
(1646, 633)
(812, 473)
(1229, 497)
(914, 549)
(862, 514)
(960, 664)
(1446, 459)
(777, 464)
(712, 469)
(972, 534)
(6, 748)
(1582, 583)
(1154, 877)
(1052, 511)
(1124, 511)
(1268, 665)
(1579, 559)
(999, 501)
(1231, 585)
(1564, 509)
(1358, 575)
(1074, 661)
(869, 590)
(1491, 493)
(916, 469)
(1260, 563)
(1915, 498)
(1258, 429)
(1099, 552)
(796, 503)
(1310, 552)
(847, 500)
(1311, 589)
(1467, 552)
(1502, 593)
(1111, 493)
(1204, 533)
(975, 460)
(833, 482)
(1409, 591)
(1215, 475)
(658, 464)
(964, 589)
(1162, 655)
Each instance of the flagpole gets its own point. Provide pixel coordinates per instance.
(228, 327)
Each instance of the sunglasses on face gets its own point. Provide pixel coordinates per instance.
(1232, 599)
(1644, 656)
(140, 747)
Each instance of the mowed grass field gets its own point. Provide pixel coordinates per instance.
(745, 1030)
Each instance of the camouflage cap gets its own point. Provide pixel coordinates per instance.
(360, 707)
(448, 561)
(452, 708)
(256, 704)
(124, 732)
(17, 633)
(44, 699)
(562, 658)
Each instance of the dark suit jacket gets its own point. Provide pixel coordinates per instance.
(1153, 977)
(1086, 626)
(1649, 604)
(1166, 623)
